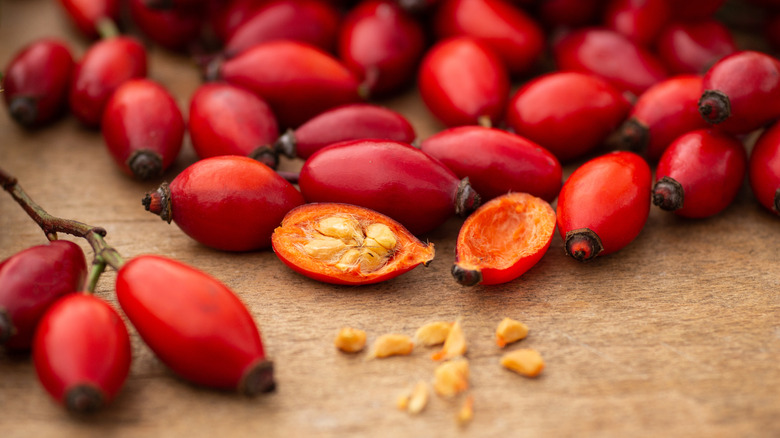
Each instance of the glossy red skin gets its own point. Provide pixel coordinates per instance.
(87, 14)
(82, 341)
(231, 203)
(668, 110)
(462, 81)
(567, 113)
(570, 13)
(608, 54)
(692, 47)
(764, 168)
(103, 68)
(308, 21)
(751, 80)
(227, 16)
(227, 120)
(393, 178)
(497, 162)
(191, 321)
(174, 29)
(381, 44)
(610, 195)
(696, 9)
(709, 165)
(351, 122)
(639, 20)
(142, 116)
(32, 279)
(40, 71)
(299, 81)
(514, 36)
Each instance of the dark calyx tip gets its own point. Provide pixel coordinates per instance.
(634, 136)
(212, 72)
(714, 106)
(24, 110)
(145, 164)
(466, 277)
(466, 198)
(583, 244)
(266, 155)
(668, 194)
(285, 144)
(258, 379)
(84, 399)
(6, 327)
(159, 202)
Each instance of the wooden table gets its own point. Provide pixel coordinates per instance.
(676, 335)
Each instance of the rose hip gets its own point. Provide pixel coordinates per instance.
(604, 205)
(347, 244)
(174, 4)
(700, 174)
(463, 82)
(664, 112)
(30, 281)
(175, 29)
(194, 324)
(103, 68)
(309, 21)
(395, 179)
(36, 82)
(503, 239)
(496, 162)
(143, 128)
(764, 169)
(567, 113)
(82, 352)
(382, 45)
(608, 54)
(230, 15)
(696, 9)
(347, 122)
(639, 20)
(513, 35)
(230, 203)
(741, 92)
(299, 81)
(692, 47)
(90, 15)
(570, 13)
(227, 120)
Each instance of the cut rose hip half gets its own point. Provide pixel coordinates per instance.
(503, 239)
(347, 244)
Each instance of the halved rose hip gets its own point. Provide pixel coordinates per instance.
(346, 244)
(503, 239)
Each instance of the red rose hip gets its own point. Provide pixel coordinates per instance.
(90, 15)
(764, 169)
(693, 46)
(639, 20)
(175, 29)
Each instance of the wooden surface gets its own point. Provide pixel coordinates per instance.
(676, 335)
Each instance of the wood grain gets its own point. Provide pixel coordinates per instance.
(676, 335)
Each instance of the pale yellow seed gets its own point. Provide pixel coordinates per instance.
(402, 402)
(344, 228)
(350, 340)
(455, 345)
(325, 248)
(526, 362)
(392, 345)
(370, 261)
(348, 260)
(451, 377)
(433, 333)
(380, 238)
(510, 330)
(419, 398)
(466, 412)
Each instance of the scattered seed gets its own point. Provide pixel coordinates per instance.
(433, 333)
(392, 345)
(510, 330)
(526, 362)
(418, 398)
(455, 344)
(466, 412)
(350, 340)
(451, 377)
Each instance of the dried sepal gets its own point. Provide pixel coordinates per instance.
(455, 345)
(350, 340)
(392, 344)
(509, 331)
(433, 333)
(526, 362)
(451, 377)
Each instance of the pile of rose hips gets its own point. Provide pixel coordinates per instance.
(662, 81)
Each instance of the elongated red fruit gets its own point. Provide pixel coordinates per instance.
(226, 17)
(382, 44)
(90, 15)
(604, 205)
(694, 46)
(194, 324)
(82, 352)
(35, 85)
(764, 169)
(347, 122)
(227, 120)
(611, 55)
(664, 112)
(143, 128)
(309, 21)
(640, 20)
(741, 92)
(568, 113)
(105, 66)
(497, 162)
(463, 82)
(230, 203)
(507, 29)
(700, 174)
(395, 178)
(696, 9)
(299, 81)
(175, 29)
(30, 281)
